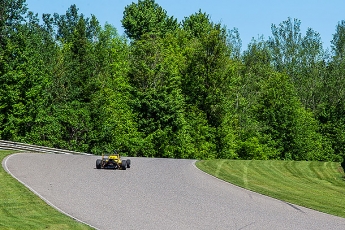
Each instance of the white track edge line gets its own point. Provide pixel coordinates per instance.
(39, 195)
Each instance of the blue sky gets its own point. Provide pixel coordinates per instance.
(252, 17)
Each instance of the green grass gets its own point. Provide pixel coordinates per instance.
(21, 209)
(316, 185)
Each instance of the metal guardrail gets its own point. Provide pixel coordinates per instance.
(10, 145)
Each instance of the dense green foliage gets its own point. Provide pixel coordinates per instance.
(169, 89)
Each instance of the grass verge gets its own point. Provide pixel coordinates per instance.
(316, 185)
(21, 209)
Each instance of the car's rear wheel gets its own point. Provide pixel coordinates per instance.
(128, 163)
(98, 163)
(123, 165)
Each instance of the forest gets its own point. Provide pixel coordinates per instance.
(170, 89)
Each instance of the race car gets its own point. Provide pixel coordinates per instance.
(113, 161)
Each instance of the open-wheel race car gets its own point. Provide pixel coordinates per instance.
(113, 161)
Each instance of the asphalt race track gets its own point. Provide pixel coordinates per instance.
(155, 194)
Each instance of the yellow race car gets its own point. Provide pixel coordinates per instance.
(113, 161)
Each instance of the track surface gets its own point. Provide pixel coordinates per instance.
(156, 194)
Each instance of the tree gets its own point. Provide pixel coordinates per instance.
(286, 46)
(170, 127)
(197, 25)
(114, 120)
(67, 24)
(286, 125)
(338, 42)
(23, 72)
(12, 13)
(234, 43)
(212, 79)
(154, 73)
(331, 110)
(65, 121)
(146, 16)
(206, 78)
(301, 57)
(243, 137)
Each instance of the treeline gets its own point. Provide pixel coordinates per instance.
(169, 89)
